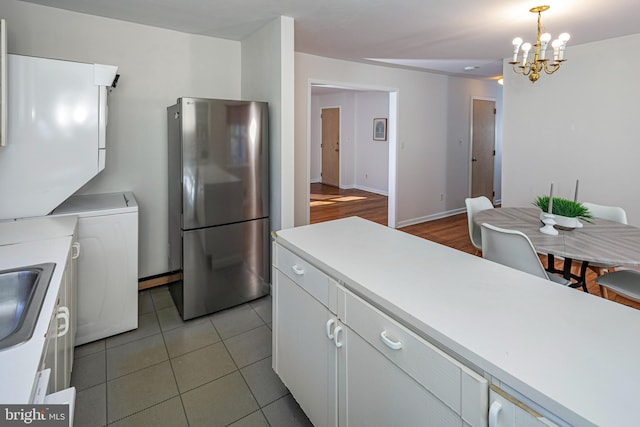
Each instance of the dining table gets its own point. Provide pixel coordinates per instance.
(597, 241)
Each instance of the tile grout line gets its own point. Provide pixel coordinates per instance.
(163, 332)
(144, 409)
(173, 372)
(240, 372)
(138, 370)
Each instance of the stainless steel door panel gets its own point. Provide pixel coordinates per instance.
(174, 150)
(224, 161)
(224, 266)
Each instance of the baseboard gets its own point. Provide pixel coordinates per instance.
(159, 280)
(426, 218)
(371, 190)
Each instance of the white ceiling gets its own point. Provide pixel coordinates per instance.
(438, 35)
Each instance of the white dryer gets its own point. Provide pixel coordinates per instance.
(108, 263)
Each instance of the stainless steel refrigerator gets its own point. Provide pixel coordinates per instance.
(218, 203)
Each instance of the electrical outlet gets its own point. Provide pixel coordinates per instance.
(366, 176)
(441, 197)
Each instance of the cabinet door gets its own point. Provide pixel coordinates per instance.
(303, 355)
(507, 411)
(377, 392)
(49, 357)
(64, 357)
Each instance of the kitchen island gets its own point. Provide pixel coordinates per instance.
(566, 357)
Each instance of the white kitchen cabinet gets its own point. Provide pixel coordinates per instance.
(60, 341)
(304, 356)
(507, 411)
(348, 364)
(394, 377)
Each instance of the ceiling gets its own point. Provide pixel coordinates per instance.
(437, 35)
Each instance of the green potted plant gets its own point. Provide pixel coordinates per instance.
(567, 213)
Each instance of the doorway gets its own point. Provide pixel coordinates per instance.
(330, 147)
(483, 136)
(353, 174)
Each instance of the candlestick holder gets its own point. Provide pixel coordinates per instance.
(549, 222)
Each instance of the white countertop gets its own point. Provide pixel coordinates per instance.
(573, 353)
(22, 243)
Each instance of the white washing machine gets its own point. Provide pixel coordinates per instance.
(108, 263)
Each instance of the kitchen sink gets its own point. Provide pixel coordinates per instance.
(22, 291)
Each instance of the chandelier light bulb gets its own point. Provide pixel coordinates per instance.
(556, 49)
(525, 52)
(516, 46)
(544, 40)
(564, 38)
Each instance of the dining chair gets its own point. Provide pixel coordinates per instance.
(611, 213)
(514, 249)
(475, 205)
(623, 282)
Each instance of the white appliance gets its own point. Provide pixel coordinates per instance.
(108, 264)
(57, 116)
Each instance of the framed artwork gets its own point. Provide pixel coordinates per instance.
(380, 129)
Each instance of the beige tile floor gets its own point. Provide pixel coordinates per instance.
(211, 371)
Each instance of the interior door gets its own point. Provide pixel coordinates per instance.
(483, 147)
(331, 146)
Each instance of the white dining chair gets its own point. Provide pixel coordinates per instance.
(623, 282)
(611, 213)
(475, 205)
(514, 249)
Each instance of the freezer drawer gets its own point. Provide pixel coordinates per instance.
(222, 267)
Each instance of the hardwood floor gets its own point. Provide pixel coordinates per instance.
(329, 203)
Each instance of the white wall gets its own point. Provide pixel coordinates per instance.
(346, 103)
(156, 66)
(372, 157)
(360, 155)
(461, 92)
(267, 75)
(579, 123)
(423, 132)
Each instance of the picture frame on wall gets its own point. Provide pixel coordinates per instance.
(380, 129)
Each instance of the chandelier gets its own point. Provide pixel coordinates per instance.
(533, 68)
